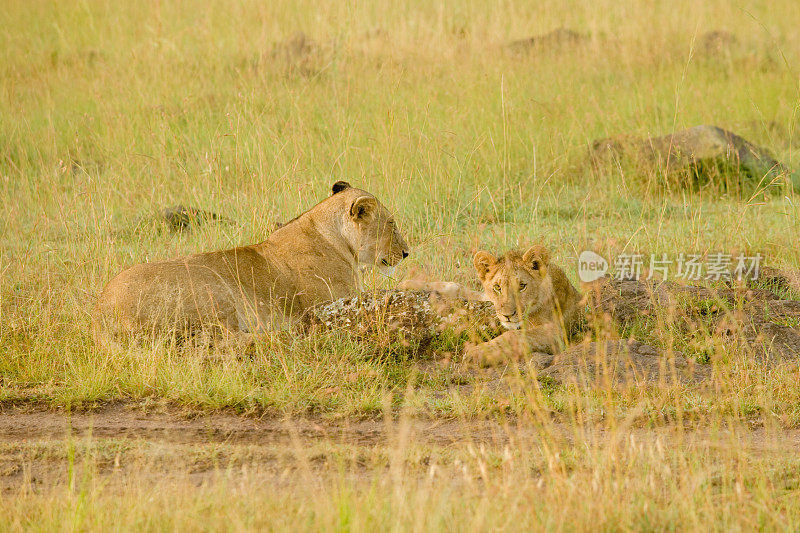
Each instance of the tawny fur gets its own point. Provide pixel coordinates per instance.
(538, 317)
(533, 299)
(314, 258)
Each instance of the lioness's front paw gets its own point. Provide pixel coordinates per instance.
(412, 285)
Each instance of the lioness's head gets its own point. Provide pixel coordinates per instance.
(517, 284)
(370, 228)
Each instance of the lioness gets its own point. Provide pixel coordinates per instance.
(532, 297)
(312, 259)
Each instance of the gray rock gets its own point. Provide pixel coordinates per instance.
(181, 217)
(695, 150)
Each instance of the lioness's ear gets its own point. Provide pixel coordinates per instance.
(339, 186)
(363, 208)
(483, 261)
(536, 257)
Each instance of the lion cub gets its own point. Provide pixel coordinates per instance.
(533, 299)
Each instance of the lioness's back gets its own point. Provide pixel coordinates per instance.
(156, 296)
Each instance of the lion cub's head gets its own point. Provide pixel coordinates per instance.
(517, 284)
(370, 228)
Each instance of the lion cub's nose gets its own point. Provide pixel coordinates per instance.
(405, 254)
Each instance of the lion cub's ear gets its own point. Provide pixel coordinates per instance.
(483, 261)
(363, 208)
(339, 186)
(537, 257)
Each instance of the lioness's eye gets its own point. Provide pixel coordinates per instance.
(522, 286)
(497, 288)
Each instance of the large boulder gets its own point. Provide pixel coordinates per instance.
(703, 152)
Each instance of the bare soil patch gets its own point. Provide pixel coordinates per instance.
(121, 445)
(620, 363)
(175, 425)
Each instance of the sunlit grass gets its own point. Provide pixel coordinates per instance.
(110, 111)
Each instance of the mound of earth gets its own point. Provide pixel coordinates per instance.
(411, 317)
(300, 54)
(779, 281)
(624, 362)
(704, 152)
(757, 320)
(717, 43)
(555, 40)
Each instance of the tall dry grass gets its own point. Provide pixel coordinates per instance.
(543, 477)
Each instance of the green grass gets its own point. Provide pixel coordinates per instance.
(110, 111)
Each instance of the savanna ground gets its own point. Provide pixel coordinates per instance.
(110, 111)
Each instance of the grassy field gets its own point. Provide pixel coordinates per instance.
(110, 111)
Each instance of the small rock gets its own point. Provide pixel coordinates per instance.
(181, 217)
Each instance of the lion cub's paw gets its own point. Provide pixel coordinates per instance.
(485, 355)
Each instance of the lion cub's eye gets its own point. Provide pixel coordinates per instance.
(522, 286)
(497, 288)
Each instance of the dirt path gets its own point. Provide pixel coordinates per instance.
(122, 444)
(20, 424)
(121, 421)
